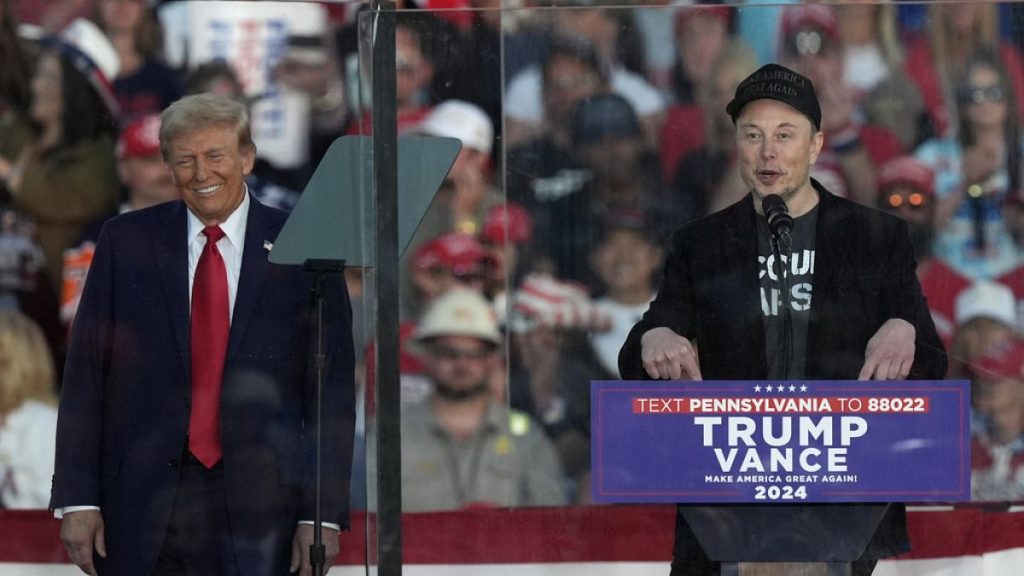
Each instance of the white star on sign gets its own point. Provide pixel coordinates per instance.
(768, 388)
(757, 388)
(792, 388)
(803, 387)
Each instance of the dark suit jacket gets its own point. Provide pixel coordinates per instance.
(864, 275)
(124, 406)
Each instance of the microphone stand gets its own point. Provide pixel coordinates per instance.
(781, 244)
(321, 268)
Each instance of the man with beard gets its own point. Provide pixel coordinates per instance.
(460, 447)
(906, 188)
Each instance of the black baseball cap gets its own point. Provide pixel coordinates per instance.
(776, 82)
(604, 116)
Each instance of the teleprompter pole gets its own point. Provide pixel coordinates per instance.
(385, 179)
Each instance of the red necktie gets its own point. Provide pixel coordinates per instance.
(210, 324)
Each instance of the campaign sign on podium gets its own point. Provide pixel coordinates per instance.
(782, 442)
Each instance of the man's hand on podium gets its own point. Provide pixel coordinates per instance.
(890, 352)
(669, 356)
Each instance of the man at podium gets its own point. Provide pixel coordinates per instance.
(791, 282)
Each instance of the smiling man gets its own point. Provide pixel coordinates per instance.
(183, 432)
(844, 303)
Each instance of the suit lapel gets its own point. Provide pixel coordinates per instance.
(752, 297)
(171, 247)
(833, 241)
(252, 277)
(741, 233)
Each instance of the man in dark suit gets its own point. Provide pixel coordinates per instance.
(844, 303)
(185, 433)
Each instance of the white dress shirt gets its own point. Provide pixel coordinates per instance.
(230, 248)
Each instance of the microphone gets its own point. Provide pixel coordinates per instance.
(777, 213)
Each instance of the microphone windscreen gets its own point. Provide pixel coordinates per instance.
(776, 213)
(773, 203)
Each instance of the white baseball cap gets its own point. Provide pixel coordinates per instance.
(460, 312)
(986, 299)
(462, 120)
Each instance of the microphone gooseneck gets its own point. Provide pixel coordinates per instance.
(777, 214)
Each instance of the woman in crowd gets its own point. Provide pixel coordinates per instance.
(703, 180)
(937, 57)
(63, 176)
(700, 35)
(977, 173)
(14, 84)
(28, 413)
(144, 85)
(873, 58)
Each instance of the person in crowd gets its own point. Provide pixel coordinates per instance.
(552, 365)
(542, 169)
(986, 317)
(414, 74)
(623, 179)
(64, 176)
(626, 259)
(309, 65)
(873, 58)
(205, 349)
(997, 423)
(468, 190)
(852, 148)
(506, 239)
(28, 412)
(444, 263)
(449, 260)
(462, 448)
(146, 182)
(700, 35)
(703, 39)
(144, 83)
(602, 28)
(714, 318)
(704, 179)
(938, 56)
(906, 188)
(978, 173)
(24, 285)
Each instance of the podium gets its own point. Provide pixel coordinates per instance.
(784, 540)
(782, 478)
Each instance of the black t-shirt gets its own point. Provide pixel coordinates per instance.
(784, 339)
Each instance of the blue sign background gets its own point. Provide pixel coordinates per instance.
(660, 457)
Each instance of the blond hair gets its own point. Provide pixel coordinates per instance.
(27, 370)
(200, 111)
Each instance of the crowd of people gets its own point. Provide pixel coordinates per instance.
(589, 133)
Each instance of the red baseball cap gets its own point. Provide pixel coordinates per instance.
(507, 222)
(1004, 362)
(687, 12)
(907, 171)
(458, 252)
(140, 137)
